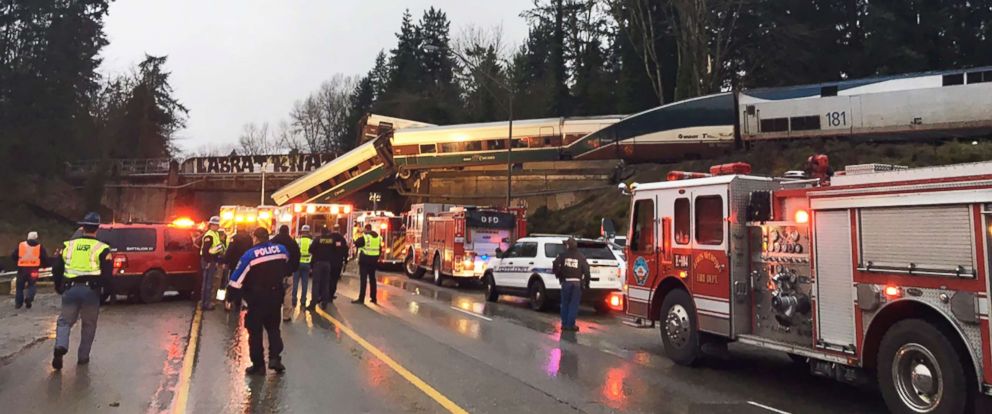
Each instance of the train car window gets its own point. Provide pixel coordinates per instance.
(519, 143)
(642, 240)
(709, 220)
(979, 77)
(473, 146)
(682, 221)
(828, 90)
(428, 149)
(774, 124)
(805, 123)
(496, 144)
(448, 147)
(955, 79)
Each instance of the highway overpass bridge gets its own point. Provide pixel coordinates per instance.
(159, 189)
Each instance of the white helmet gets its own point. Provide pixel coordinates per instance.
(306, 227)
(215, 220)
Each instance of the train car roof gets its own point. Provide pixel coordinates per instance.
(459, 132)
(326, 171)
(814, 89)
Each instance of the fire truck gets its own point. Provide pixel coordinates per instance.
(232, 216)
(875, 276)
(457, 241)
(392, 231)
(317, 216)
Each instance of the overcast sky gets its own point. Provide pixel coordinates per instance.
(240, 61)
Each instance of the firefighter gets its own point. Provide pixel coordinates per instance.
(302, 275)
(369, 247)
(572, 271)
(79, 272)
(30, 256)
(293, 248)
(261, 275)
(211, 249)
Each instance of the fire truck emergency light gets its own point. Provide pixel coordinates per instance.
(802, 216)
(227, 215)
(239, 219)
(184, 222)
(287, 217)
(384, 226)
(250, 219)
(297, 208)
(264, 215)
(893, 292)
(347, 209)
(335, 209)
(311, 209)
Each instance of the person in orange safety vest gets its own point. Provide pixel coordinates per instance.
(30, 256)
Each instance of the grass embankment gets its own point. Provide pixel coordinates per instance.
(766, 159)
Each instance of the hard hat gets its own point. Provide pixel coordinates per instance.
(215, 220)
(306, 227)
(33, 235)
(90, 219)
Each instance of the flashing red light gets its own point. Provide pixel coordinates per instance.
(731, 168)
(184, 222)
(384, 226)
(893, 292)
(120, 262)
(615, 301)
(684, 175)
(802, 216)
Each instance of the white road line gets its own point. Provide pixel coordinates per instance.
(470, 313)
(772, 409)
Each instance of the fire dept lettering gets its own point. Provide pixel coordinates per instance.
(706, 267)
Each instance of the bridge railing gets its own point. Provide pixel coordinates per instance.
(120, 167)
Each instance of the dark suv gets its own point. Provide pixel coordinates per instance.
(150, 259)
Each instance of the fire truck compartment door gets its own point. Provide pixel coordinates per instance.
(834, 280)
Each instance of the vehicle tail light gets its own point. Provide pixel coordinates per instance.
(120, 262)
(615, 301)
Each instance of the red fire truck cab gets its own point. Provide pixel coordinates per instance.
(882, 275)
(457, 241)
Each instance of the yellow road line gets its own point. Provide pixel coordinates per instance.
(405, 373)
(181, 397)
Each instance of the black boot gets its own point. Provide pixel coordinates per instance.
(27, 304)
(255, 370)
(57, 357)
(276, 365)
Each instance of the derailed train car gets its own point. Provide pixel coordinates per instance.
(931, 105)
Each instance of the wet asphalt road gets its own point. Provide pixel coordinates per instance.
(483, 357)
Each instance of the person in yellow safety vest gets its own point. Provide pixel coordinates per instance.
(30, 256)
(211, 251)
(369, 247)
(80, 271)
(302, 275)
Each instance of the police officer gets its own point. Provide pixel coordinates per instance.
(82, 268)
(211, 249)
(260, 275)
(302, 275)
(239, 244)
(293, 248)
(321, 250)
(30, 256)
(572, 271)
(339, 257)
(369, 247)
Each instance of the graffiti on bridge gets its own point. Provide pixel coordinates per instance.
(233, 164)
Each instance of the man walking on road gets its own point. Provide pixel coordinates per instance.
(211, 249)
(239, 244)
(287, 241)
(302, 275)
(30, 256)
(81, 270)
(322, 250)
(369, 247)
(572, 270)
(261, 275)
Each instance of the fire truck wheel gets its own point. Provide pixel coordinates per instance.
(412, 270)
(538, 295)
(436, 270)
(678, 328)
(920, 370)
(492, 292)
(152, 287)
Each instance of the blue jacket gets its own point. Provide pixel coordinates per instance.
(261, 268)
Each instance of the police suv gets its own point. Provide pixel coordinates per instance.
(525, 269)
